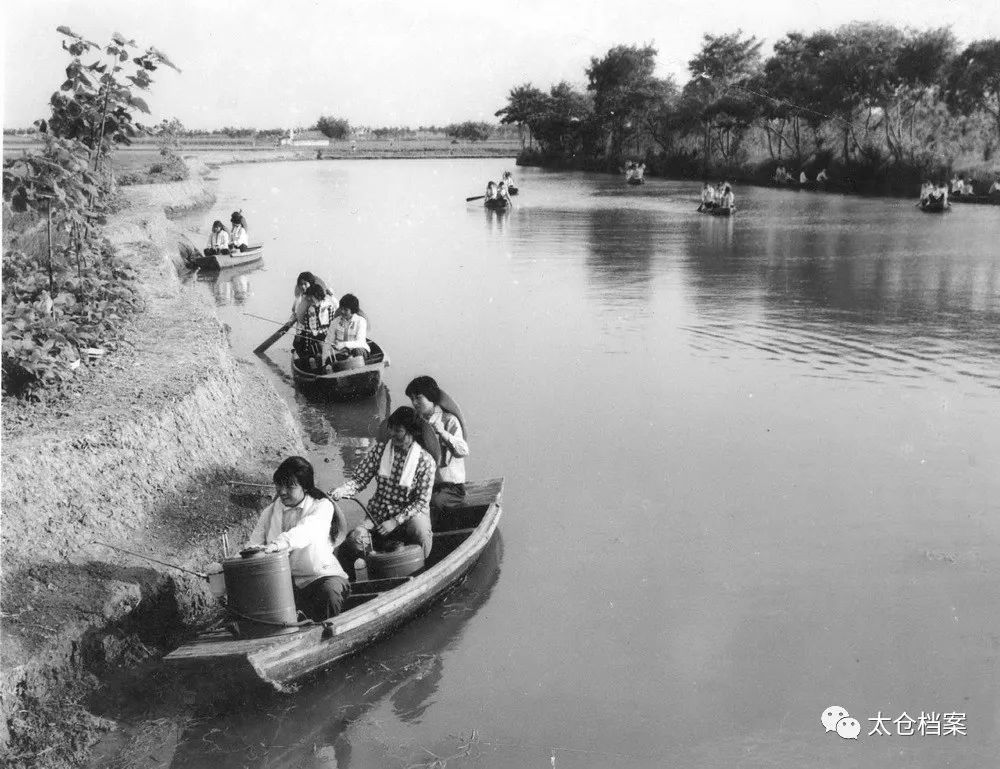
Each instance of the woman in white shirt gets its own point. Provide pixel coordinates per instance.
(348, 333)
(239, 237)
(218, 241)
(304, 521)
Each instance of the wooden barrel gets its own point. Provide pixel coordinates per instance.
(400, 562)
(259, 590)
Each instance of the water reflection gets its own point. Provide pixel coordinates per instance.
(327, 723)
(232, 285)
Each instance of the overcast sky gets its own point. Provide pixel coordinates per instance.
(420, 62)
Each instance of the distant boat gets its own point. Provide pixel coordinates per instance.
(933, 205)
(235, 258)
(496, 204)
(374, 609)
(714, 210)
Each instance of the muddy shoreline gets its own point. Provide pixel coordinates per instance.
(149, 457)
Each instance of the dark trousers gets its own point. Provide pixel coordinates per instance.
(447, 496)
(308, 345)
(322, 598)
(212, 251)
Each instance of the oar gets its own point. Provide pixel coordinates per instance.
(262, 347)
(477, 197)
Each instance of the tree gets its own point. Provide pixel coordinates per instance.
(720, 71)
(333, 127)
(524, 104)
(624, 90)
(973, 80)
(95, 104)
(564, 125)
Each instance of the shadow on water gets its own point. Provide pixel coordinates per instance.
(323, 723)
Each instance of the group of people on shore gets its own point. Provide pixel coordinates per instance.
(959, 185)
(717, 196)
(782, 176)
(420, 466)
(223, 240)
(328, 331)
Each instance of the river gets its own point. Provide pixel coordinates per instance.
(752, 469)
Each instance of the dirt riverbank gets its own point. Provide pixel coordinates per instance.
(143, 457)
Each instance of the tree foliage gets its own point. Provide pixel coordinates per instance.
(333, 127)
(470, 130)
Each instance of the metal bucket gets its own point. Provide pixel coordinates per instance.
(260, 592)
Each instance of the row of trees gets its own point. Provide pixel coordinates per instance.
(69, 294)
(863, 94)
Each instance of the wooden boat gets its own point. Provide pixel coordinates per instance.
(992, 199)
(374, 609)
(933, 206)
(358, 381)
(232, 259)
(635, 180)
(496, 204)
(714, 210)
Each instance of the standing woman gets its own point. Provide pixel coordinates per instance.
(301, 520)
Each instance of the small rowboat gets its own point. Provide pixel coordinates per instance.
(496, 204)
(232, 259)
(715, 210)
(374, 609)
(635, 180)
(933, 206)
(360, 378)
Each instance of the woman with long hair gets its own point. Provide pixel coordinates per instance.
(300, 520)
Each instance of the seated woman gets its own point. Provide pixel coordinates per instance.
(449, 480)
(348, 334)
(218, 241)
(308, 343)
(404, 473)
(822, 176)
(503, 194)
(707, 197)
(728, 199)
(239, 237)
(508, 179)
(299, 520)
(491, 190)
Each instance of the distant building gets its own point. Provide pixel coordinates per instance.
(291, 141)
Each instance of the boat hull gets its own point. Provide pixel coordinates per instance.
(280, 661)
(992, 199)
(350, 384)
(216, 262)
(497, 204)
(933, 206)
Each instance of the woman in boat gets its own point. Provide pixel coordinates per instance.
(821, 176)
(728, 199)
(308, 343)
(300, 302)
(502, 193)
(238, 235)
(348, 334)
(508, 179)
(491, 191)
(803, 179)
(300, 521)
(707, 197)
(404, 472)
(449, 480)
(218, 241)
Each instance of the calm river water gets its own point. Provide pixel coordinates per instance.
(752, 470)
